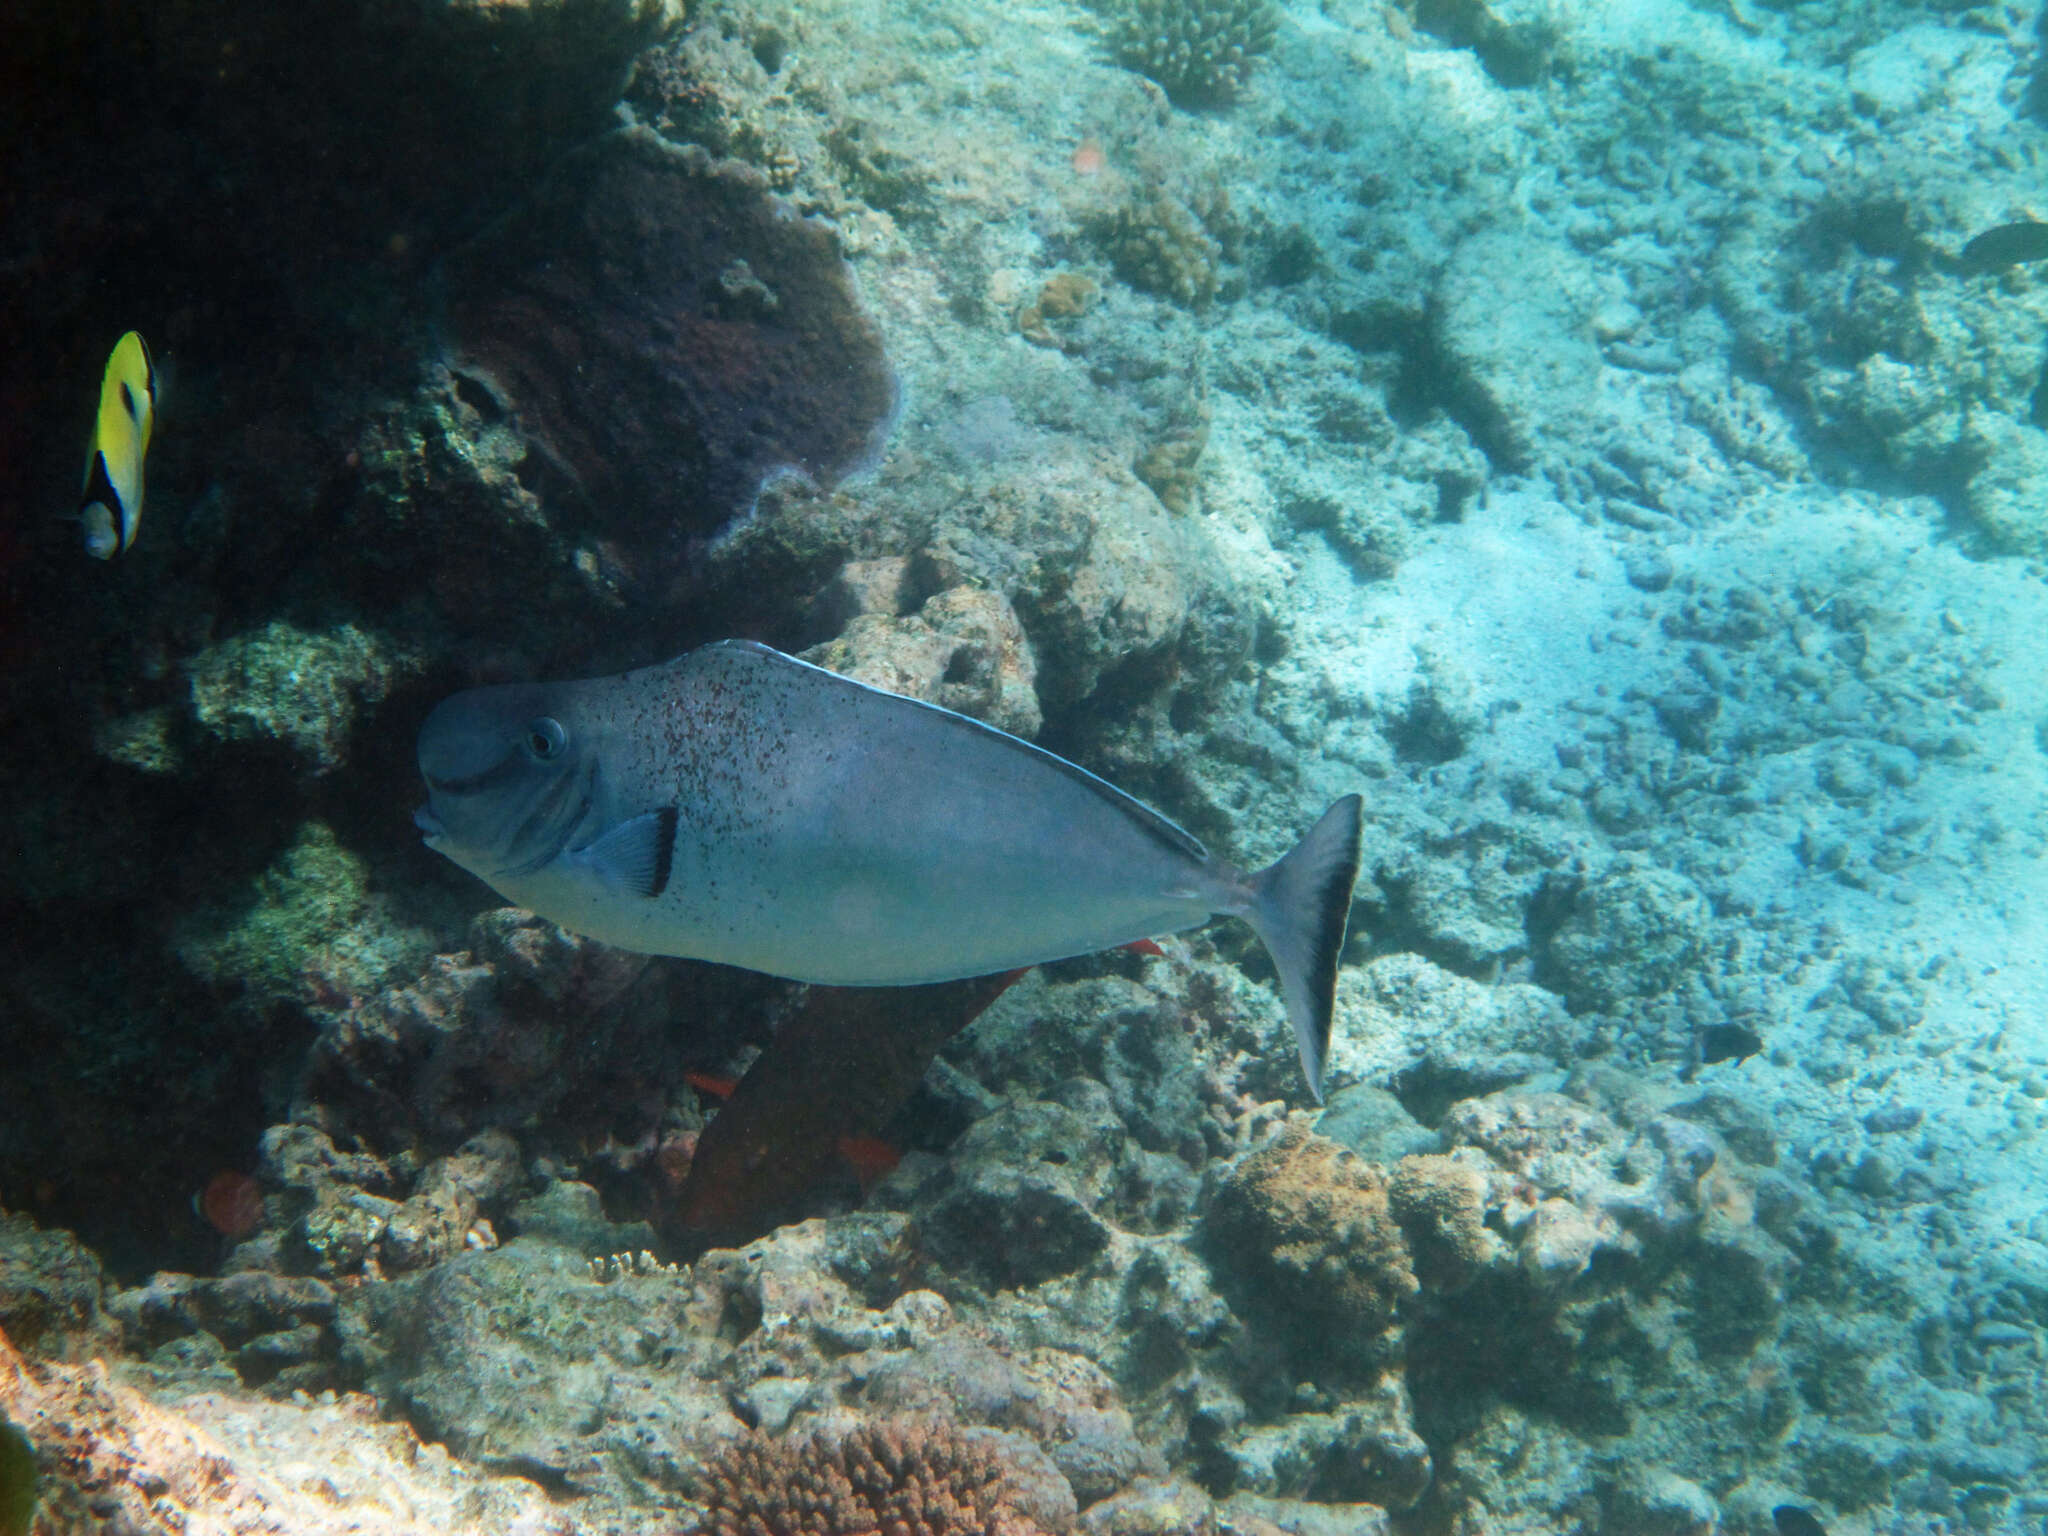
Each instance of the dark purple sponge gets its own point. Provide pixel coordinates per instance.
(668, 336)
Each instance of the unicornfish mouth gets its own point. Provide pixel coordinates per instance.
(428, 823)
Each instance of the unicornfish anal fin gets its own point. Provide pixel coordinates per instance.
(633, 858)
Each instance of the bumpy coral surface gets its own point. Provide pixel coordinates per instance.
(905, 1479)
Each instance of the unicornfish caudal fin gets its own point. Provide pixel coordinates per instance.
(1299, 908)
(110, 506)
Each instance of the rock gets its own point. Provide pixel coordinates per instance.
(1373, 1123)
(1653, 1501)
(233, 1308)
(1152, 1506)
(1521, 353)
(113, 1458)
(1100, 574)
(963, 650)
(1245, 1512)
(51, 1290)
(1631, 934)
(1015, 1205)
(1439, 1035)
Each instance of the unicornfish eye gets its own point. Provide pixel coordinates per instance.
(545, 738)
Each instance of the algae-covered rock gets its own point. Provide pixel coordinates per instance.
(253, 1327)
(1632, 933)
(1304, 1226)
(1016, 1204)
(295, 688)
(520, 1357)
(308, 928)
(1133, 1038)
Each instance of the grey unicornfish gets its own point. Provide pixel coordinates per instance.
(741, 806)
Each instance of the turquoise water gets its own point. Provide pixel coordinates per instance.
(1608, 438)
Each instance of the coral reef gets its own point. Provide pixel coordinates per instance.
(1617, 482)
(903, 1476)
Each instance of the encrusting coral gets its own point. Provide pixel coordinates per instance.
(900, 1477)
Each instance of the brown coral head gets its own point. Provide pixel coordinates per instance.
(889, 1477)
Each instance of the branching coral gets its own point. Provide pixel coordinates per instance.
(903, 1478)
(1200, 51)
(1160, 245)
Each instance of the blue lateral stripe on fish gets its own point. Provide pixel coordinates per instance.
(741, 806)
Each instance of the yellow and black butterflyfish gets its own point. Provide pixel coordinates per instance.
(111, 505)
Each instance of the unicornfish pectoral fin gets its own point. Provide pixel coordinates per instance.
(1300, 907)
(633, 858)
